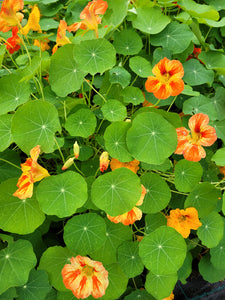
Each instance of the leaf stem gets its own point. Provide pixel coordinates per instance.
(8, 162)
(95, 90)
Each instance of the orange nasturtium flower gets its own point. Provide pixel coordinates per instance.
(61, 38)
(85, 277)
(202, 134)
(131, 216)
(10, 15)
(33, 21)
(132, 165)
(183, 220)
(90, 16)
(167, 80)
(104, 161)
(13, 43)
(32, 172)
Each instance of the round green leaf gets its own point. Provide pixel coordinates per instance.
(199, 10)
(116, 192)
(140, 66)
(220, 129)
(196, 74)
(116, 12)
(185, 271)
(117, 282)
(213, 60)
(154, 221)
(129, 259)
(115, 235)
(16, 215)
(16, 261)
(53, 261)
(85, 233)
(63, 194)
(187, 175)
(64, 75)
(81, 123)
(132, 94)
(160, 286)
(37, 286)
(13, 92)
(95, 56)
(209, 272)
(150, 20)
(211, 231)
(127, 42)
(115, 141)
(219, 157)
(5, 131)
(119, 75)
(158, 193)
(114, 110)
(204, 198)
(151, 133)
(175, 37)
(163, 251)
(35, 123)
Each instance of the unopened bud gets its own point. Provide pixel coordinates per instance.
(104, 161)
(76, 149)
(68, 163)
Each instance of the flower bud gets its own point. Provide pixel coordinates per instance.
(68, 163)
(76, 149)
(104, 161)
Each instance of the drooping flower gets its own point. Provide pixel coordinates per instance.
(131, 216)
(13, 43)
(90, 16)
(85, 277)
(43, 44)
(132, 165)
(69, 162)
(104, 161)
(10, 15)
(183, 220)
(202, 134)
(61, 38)
(167, 80)
(33, 21)
(31, 172)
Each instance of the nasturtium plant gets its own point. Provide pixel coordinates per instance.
(112, 153)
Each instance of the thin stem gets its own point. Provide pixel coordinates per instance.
(156, 103)
(174, 99)
(134, 283)
(95, 90)
(40, 88)
(8, 162)
(63, 159)
(176, 192)
(78, 170)
(134, 80)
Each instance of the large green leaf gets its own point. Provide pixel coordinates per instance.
(95, 56)
(64, 75)
(5, 131)
(150, 20)
(16, 261)
(140, 295)
(153, 221)
(127, 42)
(119, 75)
(186, 269)
(187, 175)
(163, 251)
(158, 193)
(213, 60)
(13, 92)
(116, 192)
(10, 294)
(204, 198)
(85, 233)
(62, 194)
(209, 272)
(219, 157)
(176, 37)
(8, 170)
(37, 286)
(151, 133)
(16, 215)
(35, 123)
(116, 12)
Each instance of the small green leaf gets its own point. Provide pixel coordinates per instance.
(81, 123)
(85, 233)
(211, 231)
(114, 110)
(163, 251)
(132, 95)
(219, 102)
(32, 69)
(213, 60)
(5, 131)
(150, 20)
(62, 194)
(219, 157)
(119, 75)
(127, 42)
(140, 66)
(116, 192)
(208, 270)
(129, 259)
(187, 175)
(154, 221)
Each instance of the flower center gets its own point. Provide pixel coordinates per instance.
(165, 78)
(182, 218)
(196, 136)
(88, 271)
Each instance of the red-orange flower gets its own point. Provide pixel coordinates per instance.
(183, 220)
(201, 135)
(195, 54)
(85, 277)
(10, 15)
(90, 16)
(32, 172)
(167, 80)
(13, 43)
(61, 38)
(132, 165)
(104, 161)
(131, 216)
